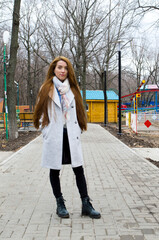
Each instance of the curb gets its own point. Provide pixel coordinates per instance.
(20, 150)
(151, 164)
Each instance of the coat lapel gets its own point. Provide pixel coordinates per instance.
(53, 94)
(70, 96)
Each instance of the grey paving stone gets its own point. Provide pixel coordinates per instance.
(126, 237)
(123, 186)
(147, 231)
(151, 237)
(139, 237)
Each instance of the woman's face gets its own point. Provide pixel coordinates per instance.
(61, 70)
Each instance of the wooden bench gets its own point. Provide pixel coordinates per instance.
(1, 120)
(26, 118)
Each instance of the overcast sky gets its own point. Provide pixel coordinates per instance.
(148, 27)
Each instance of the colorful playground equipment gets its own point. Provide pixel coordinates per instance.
(137, 94)
(143, 118)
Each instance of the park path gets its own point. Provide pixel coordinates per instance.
(123, 186)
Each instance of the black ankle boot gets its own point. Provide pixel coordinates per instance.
(88, 210)
(61, 208)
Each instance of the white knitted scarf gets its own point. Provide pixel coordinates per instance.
(63, 88)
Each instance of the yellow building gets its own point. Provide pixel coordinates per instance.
(95, 105)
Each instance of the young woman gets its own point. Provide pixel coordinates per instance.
(60, 112)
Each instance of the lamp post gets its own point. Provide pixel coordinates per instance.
(105, 96)
(119, 84)
(31, 93)
(5, 40)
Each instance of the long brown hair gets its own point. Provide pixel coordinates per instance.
(43, 99)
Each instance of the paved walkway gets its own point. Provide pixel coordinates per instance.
(4, 155)
(123, 186)
(152, 153)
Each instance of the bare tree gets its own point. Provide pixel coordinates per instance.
(145, 65)
(116, 26)
(5, 12)
(144, 7)
(13, 131)
(139, 60)
(148, 7)
(152, 67)
(128, 83)
(156, 66)
(38, 66)
(21, 76)
(82, 20)
(28, 27)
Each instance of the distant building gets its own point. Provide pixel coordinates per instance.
(95, 105)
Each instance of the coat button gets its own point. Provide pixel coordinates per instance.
(72, 106)
(75, 122)
(77, 137)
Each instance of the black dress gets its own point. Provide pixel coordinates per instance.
(66, 157)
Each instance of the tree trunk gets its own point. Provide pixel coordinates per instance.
(13, 130)
(84, 82)
(84, 89)
(84, 64)
(29, 89)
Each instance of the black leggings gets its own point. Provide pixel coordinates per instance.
(80, 181)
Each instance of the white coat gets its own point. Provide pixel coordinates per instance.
(53, 134)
